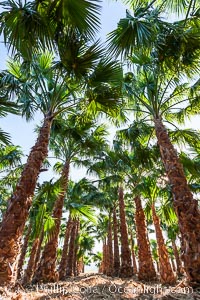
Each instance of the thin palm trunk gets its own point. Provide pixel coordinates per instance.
(75, 262)
(104, 259)
(63, 261)
(47, 266)
(133, 254)
(166, 272)
(14, 219)
(23, 251)
(29, 272)
(146, 270)
(37, 257)
(185, 205)
(173, 265)
(70, 256)
(116, 262)
(109, 271)
(80, 266)
(126, 269)
(177, 258)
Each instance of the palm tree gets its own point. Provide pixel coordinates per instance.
(109, 271)
(172, 233)
(116, 259)
(146, 270)
(112, 177)
(155, 91)
(65, 249)
(126, 269)
(41, 86)
(76, 196)
(41, 222)
(151, 191)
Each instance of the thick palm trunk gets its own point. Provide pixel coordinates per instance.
(177, 258)
(126, 269)
(116, 262)
(133, 255)
(146, 270)
(29, 272)
(23, 251)
(70, 256)
(109, 271)
(14, 219)
(63, 262)
(47, 266)
(166, 272)
(186, 207)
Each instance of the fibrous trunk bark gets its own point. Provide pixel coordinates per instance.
(76, 248)
(109, 271)
(23, 251)
(14, 219)
(177, 258)
(29, 272)
(173, 265)
(146, 270)
(126, 269)
(47, 267)
(71, 254)
(63, 261)
(104, 259)
(116, 262)
(166, 272)
(185, 205)
(133, 254)
(38, 253)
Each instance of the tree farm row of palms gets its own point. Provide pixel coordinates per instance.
(161, 87)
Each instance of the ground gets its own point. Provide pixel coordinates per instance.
(98, 286)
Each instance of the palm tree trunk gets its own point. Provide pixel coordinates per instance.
(14, 219)
(80, 266)
(109, 271)
(116, 262)
(23, 251)
(47, 266)
(29, 272)
(173, 265)
(146, 270)
(126, 269)
(166, 272)
(75, 262)
(104, 259)
(70, 256)
(185, 205)
(177, 258)
(63, 261)
(37, 257)
(133, 255)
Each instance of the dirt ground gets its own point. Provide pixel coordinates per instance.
(98, 286)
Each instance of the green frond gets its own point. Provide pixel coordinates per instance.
(83, 15)
(78, 210)
(23, 28)
(4, 137)
(185, 137)
(132, 32)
